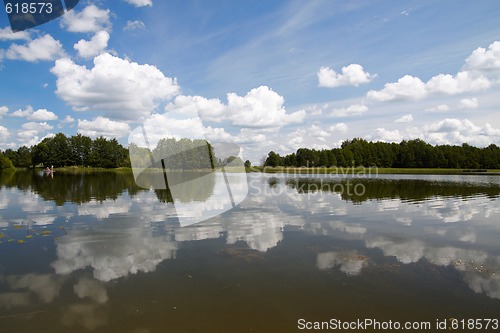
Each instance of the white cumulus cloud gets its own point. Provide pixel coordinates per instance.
(68, 120)
(7, 34)
(39, 127)
(407, 118)
(317, 132)
(352, 110)
(485, 59)
(140, 3)
(101, 126)
(168, 125)
(469, 103)
(208, 109)
(90, 19)
(385, 135)
(42, 115)
(218, 134)
(134, 25)
(38, 115)
(260, 108)
(29, 132)
(176, 123)
(44, 48)
(438, 108)
(453, 125)
(4, 133)
(252, 137)
(3, 111)
(454, 131)
(407, 87)
(65, 121)
(94, 46)
(352, 75)
(339, 128)
(118, 87)
(463, 82)
(474, 77)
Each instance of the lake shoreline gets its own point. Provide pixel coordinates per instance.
(306, 170)
(375, 170)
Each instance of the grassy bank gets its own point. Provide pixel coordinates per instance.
(361, 170)
(76, 169)
(229, 169)
(294, 170)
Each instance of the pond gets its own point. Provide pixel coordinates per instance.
(92, 252)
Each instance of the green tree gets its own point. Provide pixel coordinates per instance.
(421, 152)
(59, 152)
(23, 157)
(307, 157)
(106, 153)
(273, 159)
(339, 157)
(40, 153)
(80, 147)
(12, 155)
(185, 154)
(141, 156)
(490, 157)
(5, 163)
(290, 160)
(472, 156)
(407, 154)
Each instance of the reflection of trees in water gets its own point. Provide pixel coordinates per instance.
(188, 186)
(81, 187)
(359, 190)
(73, 187)
(273, 182)
(164, 195)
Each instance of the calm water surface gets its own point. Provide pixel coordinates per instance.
(95, 253)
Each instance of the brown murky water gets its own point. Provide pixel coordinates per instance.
(95, 253)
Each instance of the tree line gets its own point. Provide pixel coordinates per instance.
(184, 154)
(63, 151)
(80, 150)
(407, 154)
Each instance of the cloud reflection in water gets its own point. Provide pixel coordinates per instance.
(135, 232)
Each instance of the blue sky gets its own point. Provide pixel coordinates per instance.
(268, 75)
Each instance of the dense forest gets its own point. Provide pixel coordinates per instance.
(61, 151)
(407, 154)
(80, 150)
(184, 153)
